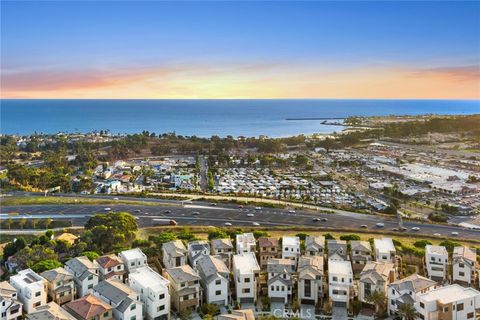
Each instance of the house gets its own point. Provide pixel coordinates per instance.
(375, 276)
(245, 242)
(246, 272)
(133, 259)
(174, 254)
(89, 307)
(340, 282)
(85, 274)
(384, 250)
(50, 311)
(406, 290)
(196, 250)
(31, 289)
(224, 249)
(314, 245)
(464, 261)
(215, 278)
(111, 267)
(361, 253)
(246, 314)
(60, 285)
(337, 250)
(185, 291)
(436, 261)
(290, 248)
(67, 237)
(310, 279)
(269, 248)
(153, 290)
(10, 306)
(452, 302)
(123, 299)
(280, 282)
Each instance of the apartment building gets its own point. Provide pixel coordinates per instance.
(215, 279)
(310, 275)
(245, 242)
(111, 267)
(31, 289)
(280, 280)
(174, 254)
(85, 274)
(361, 254)
(452, 302)
(60, 285)
(185, 290)
(124, 300)
(196, 250)
(224, 249)
(133, 259)
(375, 276)
(464, 265)
(291, 248)
(384, 250)
(340, 282)
(154, 293)
(337, 250)
(269, 248)
(314, 246)
(10, 306)
(436, 262)
(246, 272)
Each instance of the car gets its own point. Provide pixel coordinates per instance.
(227, 224)
(403, 229)
(437, 234)
(291, 211)
(364, 226)
(240, 207)
(195, 213)
(146, 213)
(324, 219)
(137, 211)
(380, 225)
(415, 229)
(394, 229)
(258, 208)
(167, 211)
(256, 223)
(250, 215)
(115, 199)
(316, 219)
(213, 204)
(107, 209)
(454, 233)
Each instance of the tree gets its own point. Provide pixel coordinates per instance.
(163, 238)
(186, 314)
(210, 308)
(407, 311)
(350, 237)
(45, 265)
(91, 255)
(217, 234)
(29, 256)
(378, 299)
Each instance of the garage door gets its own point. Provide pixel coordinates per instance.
(339, 304)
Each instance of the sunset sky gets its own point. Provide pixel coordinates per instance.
(119, 49)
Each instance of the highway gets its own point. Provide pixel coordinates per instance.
(201, 213)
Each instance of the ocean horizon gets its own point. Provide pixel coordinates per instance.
(207, 117)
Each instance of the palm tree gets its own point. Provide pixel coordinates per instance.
(378, 299)
(407, 311)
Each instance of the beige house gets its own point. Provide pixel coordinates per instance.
(310, 279)
(224, 249)
(269, 248)
(375, 276)
(60, 285)
(361, 254)
(89, 307)
(50, 311)
(314, 245)
(174, 254)
(185, 290)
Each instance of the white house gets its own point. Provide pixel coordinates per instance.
(340, 282)
(464, 261)
(196, 250)
(314, 245)
(337, 250)
(361, 254)
(375, 276)
(31, 289)
(153, 290)
(452, 302)
(214, 279)
(384, 250)
(280, 283)
(133, 259)
(406, 290)
(10, 307)
(310, 279)
(123, 299)
(174, 254)
(245, 242)
(246, 272)
(436, 261)
(110, 267)
(290, 248)
(85, 274)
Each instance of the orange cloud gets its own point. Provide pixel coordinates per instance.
(268, 80)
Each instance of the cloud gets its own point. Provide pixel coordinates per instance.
(456, 73)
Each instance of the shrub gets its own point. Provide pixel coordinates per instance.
(350, 237)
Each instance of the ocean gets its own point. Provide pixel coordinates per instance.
(204, 118)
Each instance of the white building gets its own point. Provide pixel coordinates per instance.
(196, 250)
(85, 274)
(310, 279)
(153, 290)
(246, 272)
(406, 290)
(314, 245)
(31, 289)
(133, 259)
(375, 276)
(290, 248)
(340, 282)
(174, 254)
(245, 242)
(215, 278)
(452, 302)
(123, 299)
(10, 307)
(464, 263)
(280, 283)
(110, 267)
(384, 250)
(436, 261)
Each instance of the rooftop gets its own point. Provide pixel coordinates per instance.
(132, 254)
(182, 274)
(340, 267)
(384, 245)
(290, 241)
(246, 263)
(147, 278)
(450, 294)
(436, 250)
(50, 311)
(89, 306)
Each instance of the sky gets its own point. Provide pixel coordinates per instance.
(153, 49)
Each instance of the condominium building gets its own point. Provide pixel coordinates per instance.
(31, 289)
(464, 261)
(174, 254)
(384, 250)
(375, 276)
(185, 290)
(224, 249)
(123, 299)
(85, 274)
(280, 282)
(269, 248)
(111, 267)
(436, 262)
(310, 279)
(245, 242)
(196, 250)
(133, 259)
(314, 245)
(361, 254)
(246, 272)
(291, 248)
(340, 282)
(337, 250)
(60, 285)
(215, 279)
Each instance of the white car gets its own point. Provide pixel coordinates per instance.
(250, 215)
(291, 211)
(228, 224)
(437, 234)
(415, 228)
(454, 233)
(107, 209)
(256, 223)
(258, 208)
(115, 198)
(380, 225)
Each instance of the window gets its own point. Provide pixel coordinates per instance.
(133, 318)
(461, 265)
(161, 296)
(470, 315)
(460, 307)
(335, 279)
(246, 290)
(247, 280)
(90, 277)
(37, 294)
(90, 286)
(272, 288)
(106, 314)
(422, 305)
(36, 304)
(133, 307)
(161, 308)
(461, 273)
(218, 292)
(217, 282)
